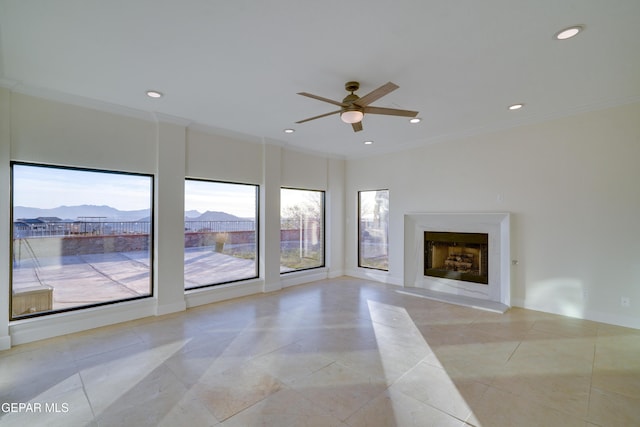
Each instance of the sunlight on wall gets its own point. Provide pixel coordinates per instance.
(564, 296)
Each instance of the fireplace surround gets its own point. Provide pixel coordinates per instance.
(449, 286)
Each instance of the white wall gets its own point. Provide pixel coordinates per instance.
(572, 186)
(49, 132)
(69, 133)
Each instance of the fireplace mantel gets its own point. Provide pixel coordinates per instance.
(495, 296)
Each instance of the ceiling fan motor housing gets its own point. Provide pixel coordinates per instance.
(352, 86)
(350, 99)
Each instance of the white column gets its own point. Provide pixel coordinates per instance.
(5, 221)
(335, 217)
(168, 271)
(270, 218)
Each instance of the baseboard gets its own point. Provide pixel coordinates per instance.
(5, 343)
(171, 308)
(300, 277)
(375, 275)
(219, 293)
(39, 328)
(464, 301)
(595, 316)
(335, 273)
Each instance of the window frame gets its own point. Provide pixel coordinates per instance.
(360, 230)
(257, 234)
(12, 237)
(324, 234)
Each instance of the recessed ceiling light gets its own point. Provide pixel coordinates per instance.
(415, 120)
(567, 33)
(368, 142)
(516, 106)
(289, 130)
(154, 94)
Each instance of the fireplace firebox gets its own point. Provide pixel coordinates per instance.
(458, 256)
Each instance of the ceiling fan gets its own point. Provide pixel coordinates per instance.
(353, 108)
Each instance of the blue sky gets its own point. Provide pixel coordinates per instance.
(45, 187)
(235, 199)
(48, 187)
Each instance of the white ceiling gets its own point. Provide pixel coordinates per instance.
(237, 65)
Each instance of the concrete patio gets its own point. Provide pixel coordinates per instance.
(95, 278)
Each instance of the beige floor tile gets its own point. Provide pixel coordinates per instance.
(338, 389)
(566, 393)
(227, 393)
(611, 409)
(55, 408)
(191, 364)
(337, 352)
(171, 407)
(435, 387)
(285, 408)
(108, 377)
(499, 408)
(624, 381)
(567, 327)
(101, 340)
(291, 362)
(153, 400)
(24, 375)
(395, 409)
(616, 365)
(545, 352)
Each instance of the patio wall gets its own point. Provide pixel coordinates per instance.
(43, 247)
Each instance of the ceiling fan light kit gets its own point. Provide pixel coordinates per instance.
(351, 117)
(353, 108)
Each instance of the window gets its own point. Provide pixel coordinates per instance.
(220, 233)
(80, 238)
(301, 229)
(373, 229)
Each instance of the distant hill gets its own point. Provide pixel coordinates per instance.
(76, 212)
(107, 213)
(191, 214)
(216, 216)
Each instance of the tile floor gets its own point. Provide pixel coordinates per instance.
(340, 352)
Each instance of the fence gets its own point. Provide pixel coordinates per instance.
(24, 229)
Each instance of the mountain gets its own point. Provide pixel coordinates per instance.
(216, 216)
(193, 214)
(106, 213)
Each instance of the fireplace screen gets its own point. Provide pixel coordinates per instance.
(459, 256)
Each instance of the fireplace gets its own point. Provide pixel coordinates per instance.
(491, 258)
(457, 256)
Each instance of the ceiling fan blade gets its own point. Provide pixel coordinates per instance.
(357, 127)
(317, 117)
(390, 111)
(320, 98)
(376, 94)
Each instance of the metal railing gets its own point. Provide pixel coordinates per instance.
(23, 230)
(216, 226)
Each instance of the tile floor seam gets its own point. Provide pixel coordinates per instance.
(435, 407)
(513, 352)
(86, 395)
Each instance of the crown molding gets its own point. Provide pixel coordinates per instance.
(533, 119)
(80, 101)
